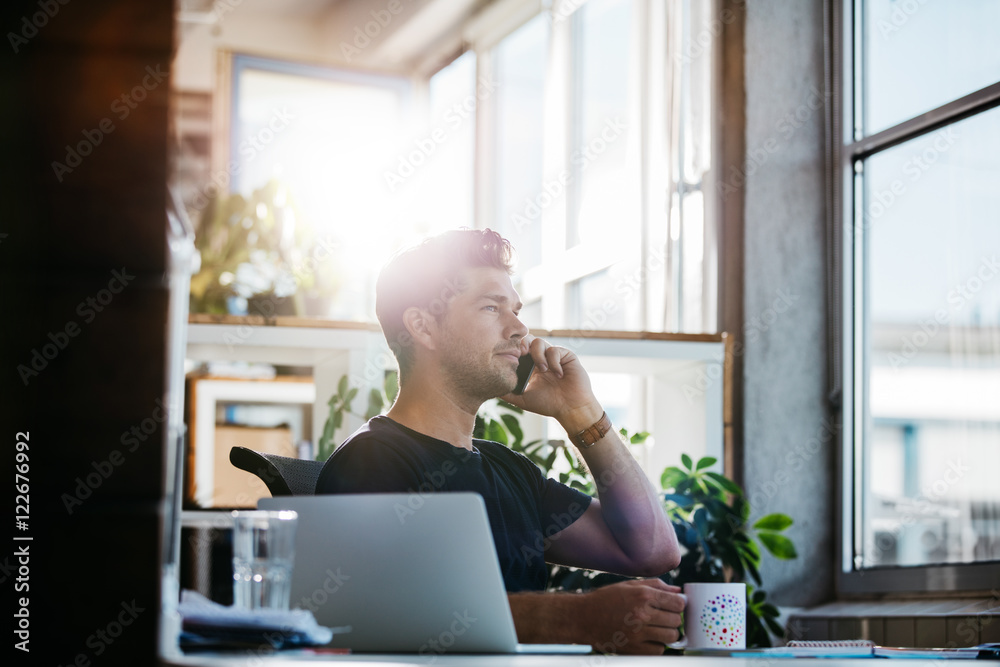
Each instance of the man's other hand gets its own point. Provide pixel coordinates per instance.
(637, 617)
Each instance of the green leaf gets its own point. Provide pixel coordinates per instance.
(682, 501)
(338, 419)
(550, 459)
(750, 548)
(712, 486)
(350, 397)
(773, 522)
(774, 626)
(686, 460)
(724, 482)
(700, 520)
(342, 385)
(671, 477)
(533, 448)
(779, 545)
(687, 486)
(375, 401)
(639, 438)
(326, 444)
(391, 385)
(495, 432)
(741, 507)
(514, 426)
(705, 462)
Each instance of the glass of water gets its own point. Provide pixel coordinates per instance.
(263, 556)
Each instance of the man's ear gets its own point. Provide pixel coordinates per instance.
(421, 326)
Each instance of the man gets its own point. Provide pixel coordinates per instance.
(449, 312)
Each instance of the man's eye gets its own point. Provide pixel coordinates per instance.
(495, 309)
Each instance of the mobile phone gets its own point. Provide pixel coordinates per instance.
(525, 364)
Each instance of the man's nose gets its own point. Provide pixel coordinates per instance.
(516, 328)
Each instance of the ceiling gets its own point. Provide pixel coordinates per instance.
(416, 32)
(286, 8)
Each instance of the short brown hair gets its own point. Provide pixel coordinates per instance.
(426, 276)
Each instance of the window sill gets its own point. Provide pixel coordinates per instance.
(943, 622)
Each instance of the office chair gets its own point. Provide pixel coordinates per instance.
(283, 476)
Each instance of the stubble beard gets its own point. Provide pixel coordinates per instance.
(478, 380)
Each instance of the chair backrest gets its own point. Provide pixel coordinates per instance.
(283, 476)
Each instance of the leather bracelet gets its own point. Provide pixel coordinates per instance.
(589, 437)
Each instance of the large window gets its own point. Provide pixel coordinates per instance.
(361, 163)
(921, 271)
(594, 156)
(325, 153)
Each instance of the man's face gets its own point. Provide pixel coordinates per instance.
(481, 334)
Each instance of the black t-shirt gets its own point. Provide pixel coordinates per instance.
(525, 508)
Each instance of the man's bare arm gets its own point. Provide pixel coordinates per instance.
(627, 531)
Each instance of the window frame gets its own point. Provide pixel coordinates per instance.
(849, 147)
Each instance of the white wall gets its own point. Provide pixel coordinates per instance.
(195, 62)
(789, 443)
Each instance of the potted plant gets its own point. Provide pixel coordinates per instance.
(256, 256)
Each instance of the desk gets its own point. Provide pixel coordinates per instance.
(277, 660)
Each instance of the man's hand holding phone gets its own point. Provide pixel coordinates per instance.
(559, 386)
(525, 365)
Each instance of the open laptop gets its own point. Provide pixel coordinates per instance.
(408, 573)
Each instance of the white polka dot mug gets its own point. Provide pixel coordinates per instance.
(715, 616)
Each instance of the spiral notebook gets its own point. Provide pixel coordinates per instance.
(865, 648)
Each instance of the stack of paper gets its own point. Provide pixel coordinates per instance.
(206, 623)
